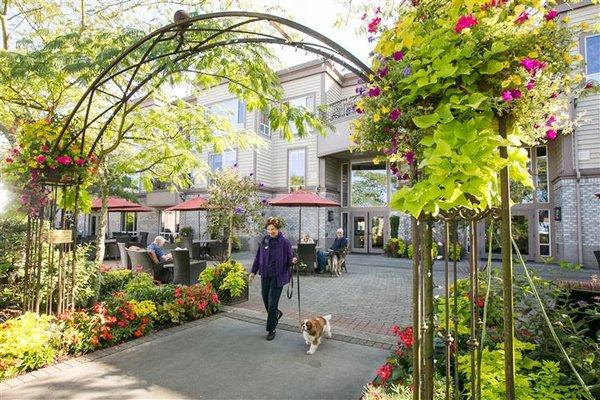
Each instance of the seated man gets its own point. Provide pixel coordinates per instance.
(339, 243)
(157, 252)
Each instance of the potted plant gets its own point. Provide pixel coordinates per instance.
(229, 279)
(187, 236)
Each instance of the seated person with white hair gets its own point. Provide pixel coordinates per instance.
(339, 243)
(155, 248)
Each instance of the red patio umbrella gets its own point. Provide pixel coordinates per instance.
(195, 204)
(114, 203)
(301, 199)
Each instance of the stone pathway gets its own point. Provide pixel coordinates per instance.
(215, 358)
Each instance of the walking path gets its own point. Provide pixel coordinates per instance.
(212, 358)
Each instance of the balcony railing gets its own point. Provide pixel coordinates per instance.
(341, 109)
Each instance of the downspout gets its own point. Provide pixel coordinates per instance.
(575, 149)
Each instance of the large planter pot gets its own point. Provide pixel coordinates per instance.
(240, 299)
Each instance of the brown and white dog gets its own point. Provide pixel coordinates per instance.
(313, 329)
(335, 265)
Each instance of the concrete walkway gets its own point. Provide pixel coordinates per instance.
(212, 358)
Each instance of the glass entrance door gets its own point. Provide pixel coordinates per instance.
(523, 232)
(368, 232)
(376, 232)
(359, 230)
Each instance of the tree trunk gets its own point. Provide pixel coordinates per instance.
(4, 25)
(102, 225)
(428, 312)
(230, 237)
(416, 307)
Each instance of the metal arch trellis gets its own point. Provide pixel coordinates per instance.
(159, 54)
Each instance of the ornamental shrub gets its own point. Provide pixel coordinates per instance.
(140, 287)
(114, 281)
(27, 342)
(391, 247)
(78, 330)
(228, 278)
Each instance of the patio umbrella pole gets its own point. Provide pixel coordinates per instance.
(299, 224)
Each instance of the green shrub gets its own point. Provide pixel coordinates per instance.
(455, 252)
(163, 294)
(114, 281)
(236, 245)
(228, 278)
(394, 224)
(140, 287)
(27, 342)
(564, 264)
(409, 251)
(78, 329)
(402, 248)
(391, 247)
(186, 231)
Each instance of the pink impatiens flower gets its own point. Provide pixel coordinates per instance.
(45, 148)
(372, 27)
(516, 94)
(524, 16)
(551, 134)
(382, 72)
(374, 92)
(530, 85)
(64, 160)
(551, 15)
(395, 114)
(532, 66)
(40, 159)
(550, 121)
(507, 96)
(589, 85)
(80, 161)
(409, 156)
(398, 56)
(464, 22)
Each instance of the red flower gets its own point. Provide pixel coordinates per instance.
(108, 336)
(385, 372)
(64, 160)
(551, 15)
(214, 298)
(180, 302)
(406, 337)
(202, 305)
(137, 333)
(40, 159)
(464, 22)
(524, 16)
(80, 161)
(94, 340)
(9, 160)
(372, 27)
(481, 302)
(589, 85)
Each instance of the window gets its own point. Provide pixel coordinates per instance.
(234, 110)
(345, 185)
(169, 224)
(592, 57)
(128, 222)
(264, 126)
(368, 185)
(544, 232)
(296, 168)
(227, 159)
(307, 102)
(541, 174)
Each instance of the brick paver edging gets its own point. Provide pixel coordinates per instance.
(77, 361)
(291, 328)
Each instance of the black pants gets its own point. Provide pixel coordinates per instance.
(271, 294)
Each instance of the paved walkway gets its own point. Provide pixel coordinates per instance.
(212, 358)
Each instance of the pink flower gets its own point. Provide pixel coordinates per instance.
(530, 85)
(516, 94)
(551, 134)
(385, 372)
(524, 16)
(359, 110)
(464, 22)
(382, 72)
(550, 121)
(9, 160)
(398, 56)
(507, 96)
(45, 148)
(374, 92)
(409, 157)
(64, 160)
(532, 66)
(80, 161)
(364, 16)
(551, 15)
(589, 85)
(554, 95)
(40, 159)
(395, 114)
(372, 27)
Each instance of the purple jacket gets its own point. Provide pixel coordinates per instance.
(283, 259)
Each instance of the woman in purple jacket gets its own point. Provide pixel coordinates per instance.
(274, 264)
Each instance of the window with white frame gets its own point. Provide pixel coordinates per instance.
(307, 102)
(592, 57)
(296, 168)
(544, 232)
(264, 126)
(227, 159)
(233, 109)
(129, 222)
(169, 224)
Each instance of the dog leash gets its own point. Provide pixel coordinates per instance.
(290, 292)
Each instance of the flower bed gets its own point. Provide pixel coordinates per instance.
(131, 306)
(541, 370)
